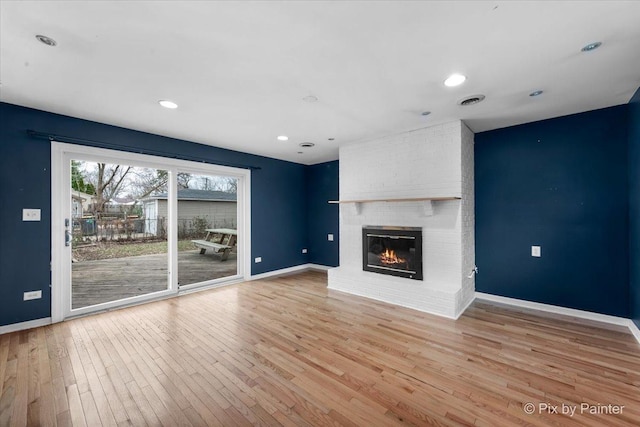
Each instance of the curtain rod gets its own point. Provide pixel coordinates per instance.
(101, 144)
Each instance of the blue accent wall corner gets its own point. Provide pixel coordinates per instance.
(634, 207)
(323, 218)
(561, 184)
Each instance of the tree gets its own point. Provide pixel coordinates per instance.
(144, 182)
(184, 179)
(78, 179)
(229, 185)
(108, 183)
(217, 183)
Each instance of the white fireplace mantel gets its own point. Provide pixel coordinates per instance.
(427, 202)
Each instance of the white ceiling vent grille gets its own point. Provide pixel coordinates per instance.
(471, 100)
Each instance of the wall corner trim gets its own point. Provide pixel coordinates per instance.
(634, 330)
(319, 267)
(581, 314)
(25, 325)
(294, 269)
(461, 312)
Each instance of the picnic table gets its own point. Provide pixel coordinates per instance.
(220, 240)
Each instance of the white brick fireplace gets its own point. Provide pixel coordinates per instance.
(427, 163)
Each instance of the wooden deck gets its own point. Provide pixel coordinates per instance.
(107, 280)
(287, 351)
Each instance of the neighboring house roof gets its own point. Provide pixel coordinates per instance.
(202, 195)
(127, 200)
(80, 195)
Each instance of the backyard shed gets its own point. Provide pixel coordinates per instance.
(197, 210)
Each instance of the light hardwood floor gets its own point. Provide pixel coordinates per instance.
(287, 351)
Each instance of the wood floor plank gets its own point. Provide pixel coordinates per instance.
(8, 397)
(133, 411)
(75, 406)
(288, 351)
(46, 400)
(4, 358)
(96, 398)
(145, 407)
(22, 382)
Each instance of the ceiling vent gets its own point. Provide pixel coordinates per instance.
(46, 40)
(471, 100)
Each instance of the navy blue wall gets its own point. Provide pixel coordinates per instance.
(634, 207)
(561, 184)
(279, 199)
(323, 218)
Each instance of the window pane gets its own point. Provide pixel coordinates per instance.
(207, 224)
(119, 239)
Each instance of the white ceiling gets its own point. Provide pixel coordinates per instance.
(239, 70)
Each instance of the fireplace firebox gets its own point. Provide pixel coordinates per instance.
(393, 250)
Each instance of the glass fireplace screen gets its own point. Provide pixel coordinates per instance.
(392, 250)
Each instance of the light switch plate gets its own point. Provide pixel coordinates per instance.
(535, 251)
(330, 237)
(258, 259)
(31, 214)
(32, 295)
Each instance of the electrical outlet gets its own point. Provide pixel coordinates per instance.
(535, 251)
(258, 259)
(32, 295)
(31, 214)
(304, 251)
(330, 237)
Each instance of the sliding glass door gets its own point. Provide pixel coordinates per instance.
(128, 228)
(119, 250)
(207, 227)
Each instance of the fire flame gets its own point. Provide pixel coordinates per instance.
(389, 257)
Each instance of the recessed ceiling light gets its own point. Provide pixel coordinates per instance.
(283, 138)
(307, 144)
(168, 104)
(331, 139)
(310, 98)
(46, 40)
(425, 113)
(591, 46)
(536, 93)
(455, 80)
(471, 100)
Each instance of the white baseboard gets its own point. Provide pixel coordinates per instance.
(319, 267)
(634, 330)
(25, 325)
(581, 314)
(282, 271)
(294, 269)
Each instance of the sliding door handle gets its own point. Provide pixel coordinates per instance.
(67, 233)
